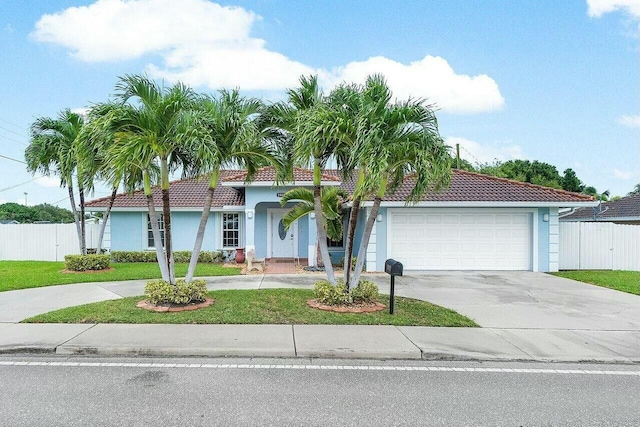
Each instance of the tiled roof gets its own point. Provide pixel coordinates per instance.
(465, 187)
(474, 187)
(186, 193)
(268, 174)
(626, 207)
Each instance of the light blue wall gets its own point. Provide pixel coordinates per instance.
(129, 231)
(381, 240)
(543, 240)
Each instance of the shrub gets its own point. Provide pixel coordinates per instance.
(161, 292)
(86, 262)
(178, 256)
(326, 293)
(366, 292)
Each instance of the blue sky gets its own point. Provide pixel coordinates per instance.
(533, 79)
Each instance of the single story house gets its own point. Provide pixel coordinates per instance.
(625, 210)
(479, 223)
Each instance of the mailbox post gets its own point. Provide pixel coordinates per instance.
(393, 268)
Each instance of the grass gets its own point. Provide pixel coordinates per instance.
(266, 306)
(34, 274)
(625, 281)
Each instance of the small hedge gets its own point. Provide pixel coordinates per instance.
(178, 256)
(326, 293)
(86, 262)
(161, 292)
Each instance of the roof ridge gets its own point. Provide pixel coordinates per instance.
(525, 184)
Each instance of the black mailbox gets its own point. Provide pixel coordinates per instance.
(393, 267)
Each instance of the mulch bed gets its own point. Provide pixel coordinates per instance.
(87, 271)
(352, 308)
(174, 308)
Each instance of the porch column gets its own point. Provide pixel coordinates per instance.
(249, 228)
(313, 235)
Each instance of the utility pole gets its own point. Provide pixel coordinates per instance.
(458, 156)
(25, 199)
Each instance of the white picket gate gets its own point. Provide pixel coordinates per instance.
(599, 246)
(43, 242)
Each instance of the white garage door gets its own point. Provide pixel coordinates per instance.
(431, 239)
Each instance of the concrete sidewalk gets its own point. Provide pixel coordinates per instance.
(323, 341)
(531, 317)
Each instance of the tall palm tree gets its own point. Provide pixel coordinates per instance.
(393, 140)
(154, 128)
(229, 135)
(314, 142)
(51, 150)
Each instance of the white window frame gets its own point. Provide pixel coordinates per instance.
(149, 230)
(223, 230)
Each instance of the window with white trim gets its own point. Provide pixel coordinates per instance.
(150, 241)
(230, 230)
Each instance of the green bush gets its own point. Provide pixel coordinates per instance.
(326, 293)
(86, 262)
(366, 292)
(178, 256)
(161, 292)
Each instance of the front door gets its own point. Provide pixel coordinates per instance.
(282, 241)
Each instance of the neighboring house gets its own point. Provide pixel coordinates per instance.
(479, 223)
(625, 210)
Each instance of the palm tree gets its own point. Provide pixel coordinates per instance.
(332, 200)
(591, 191)
(155, 130)
(51, 150)
(315, 141)
(393, 140)
(635, 191)
(229, 135)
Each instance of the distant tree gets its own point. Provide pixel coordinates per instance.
(635, 191)
(535, 172)
(592, 191)
(571, 182)
(29, 214)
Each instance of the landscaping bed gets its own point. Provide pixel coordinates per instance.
(265, 306)
(34, 274)
(625, 281)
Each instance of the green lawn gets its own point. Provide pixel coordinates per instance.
(625, 281)
(35, 274)
(266, 306)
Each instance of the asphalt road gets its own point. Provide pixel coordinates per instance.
(49, 391)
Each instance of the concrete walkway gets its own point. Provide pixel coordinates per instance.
(616, 340)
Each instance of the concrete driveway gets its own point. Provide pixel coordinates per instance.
(525, 300)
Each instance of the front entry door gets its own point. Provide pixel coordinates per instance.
(282, 241)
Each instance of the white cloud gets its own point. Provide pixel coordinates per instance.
(630, 121)
(48, 182)
(481, 153)
(211, 45)
(618, 174)
(431, 77)
(597, 8)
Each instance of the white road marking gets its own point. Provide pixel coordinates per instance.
(328, 367)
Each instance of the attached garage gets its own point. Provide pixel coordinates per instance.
(461, 239)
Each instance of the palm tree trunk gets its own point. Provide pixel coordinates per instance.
(348, 250)
(166, 212)
(155, 230)
(213, 182)
(83, 228)
(74, 210)
(362, 251)
(322, 233)
(105, 218)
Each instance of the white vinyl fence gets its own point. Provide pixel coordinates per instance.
(599, 246)
(43, 242)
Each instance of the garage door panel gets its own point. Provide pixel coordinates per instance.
(464, 240)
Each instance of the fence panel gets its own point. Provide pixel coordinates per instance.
(599, 246)
(42, 242)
